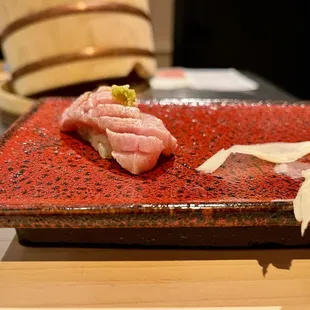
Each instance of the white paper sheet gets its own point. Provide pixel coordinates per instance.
(222, 80)
(229, 80)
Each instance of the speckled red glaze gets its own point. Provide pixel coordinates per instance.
(54, 179)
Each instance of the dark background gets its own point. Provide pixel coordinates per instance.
(269, 38)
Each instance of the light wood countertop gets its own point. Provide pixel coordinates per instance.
(136, 278)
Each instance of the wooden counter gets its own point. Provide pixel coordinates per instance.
(58, 277)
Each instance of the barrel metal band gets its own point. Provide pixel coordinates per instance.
(77, 8)
(86, 54)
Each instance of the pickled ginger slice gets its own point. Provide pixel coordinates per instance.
(275, 152)
(302, 202)
(293, 170)
(278, 153)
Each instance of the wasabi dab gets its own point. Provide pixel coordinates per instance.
(124, 95)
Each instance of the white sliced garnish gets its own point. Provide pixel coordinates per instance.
(276, 152)
(281, 169)
(302, 202)
(279, 153)
(293, 170)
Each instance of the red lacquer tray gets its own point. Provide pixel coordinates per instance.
(56, 183)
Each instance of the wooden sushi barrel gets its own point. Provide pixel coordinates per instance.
(51, 44)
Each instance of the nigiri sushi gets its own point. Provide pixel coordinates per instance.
(111, 121)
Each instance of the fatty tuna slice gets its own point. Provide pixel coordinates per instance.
(136, 162)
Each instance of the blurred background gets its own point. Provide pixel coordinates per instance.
(265, 38)
(269, 38)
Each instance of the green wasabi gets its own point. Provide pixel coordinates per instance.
(124, 95)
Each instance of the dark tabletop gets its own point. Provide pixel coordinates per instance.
(266, 91)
